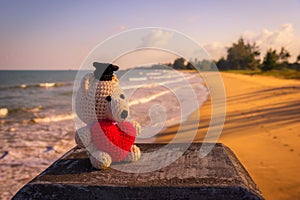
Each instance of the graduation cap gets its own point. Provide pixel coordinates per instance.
(104, 71)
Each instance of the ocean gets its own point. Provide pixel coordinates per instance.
(39, 124)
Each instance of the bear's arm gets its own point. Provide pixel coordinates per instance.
(83, 137)
(137, 126)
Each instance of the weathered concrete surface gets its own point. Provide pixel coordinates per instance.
(217, 176)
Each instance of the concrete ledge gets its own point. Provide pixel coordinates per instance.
(217, 176)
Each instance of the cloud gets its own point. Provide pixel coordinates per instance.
(281, 37)
(216, 50)
(157, 38)
(144, 57)
(284, 36)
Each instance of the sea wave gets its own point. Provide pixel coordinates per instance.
(3, 112)
(54, 118)
(154, 96)
(148, 98)
(164, 77)
(138, 78)
(158, 83)
(35, 85)
(153, 73)
(25, 109)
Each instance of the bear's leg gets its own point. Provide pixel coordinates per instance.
(134, 154)
(99, 159)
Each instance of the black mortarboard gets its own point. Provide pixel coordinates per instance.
(104, 71)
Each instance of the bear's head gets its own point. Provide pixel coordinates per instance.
(100, 97)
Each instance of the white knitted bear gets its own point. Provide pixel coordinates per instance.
(100, 103)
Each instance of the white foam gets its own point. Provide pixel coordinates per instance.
(34, 109)
(3, 112)
(163, 77)
(147, 99)
(56, 118)
(47, 85)
(153, 73)
(138, 79)
(189, 91)
(23, 86)
(155, 84)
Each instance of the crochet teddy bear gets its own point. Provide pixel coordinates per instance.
(100, 103)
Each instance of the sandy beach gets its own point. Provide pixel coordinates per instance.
(262, 128)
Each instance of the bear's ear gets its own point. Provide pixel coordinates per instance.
(115, 79)
(86, 80)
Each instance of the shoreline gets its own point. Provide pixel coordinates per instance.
(262, 119)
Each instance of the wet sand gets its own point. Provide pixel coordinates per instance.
(262, 128)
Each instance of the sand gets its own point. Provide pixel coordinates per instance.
(262, 128)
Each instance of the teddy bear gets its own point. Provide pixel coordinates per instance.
(101, 104)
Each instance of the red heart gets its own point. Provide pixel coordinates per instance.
(114, 138)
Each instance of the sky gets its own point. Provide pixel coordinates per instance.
(59, 34)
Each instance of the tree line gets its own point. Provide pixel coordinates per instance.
(242, 55)
(246, 56)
